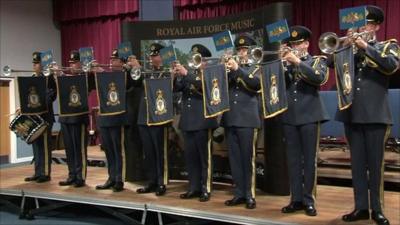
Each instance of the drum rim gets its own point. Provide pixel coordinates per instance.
(29, 137)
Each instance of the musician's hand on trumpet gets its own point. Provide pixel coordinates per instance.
(133, 62)
(231, 64)
(291, 58)
(283, 50)
(360, 43)
(348, 39)
(178, 69)
(354, 38)
(94, 67)
(57, 71)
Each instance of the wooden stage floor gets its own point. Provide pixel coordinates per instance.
(332, 201)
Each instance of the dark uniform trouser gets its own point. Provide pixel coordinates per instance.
(367, 143)
(113, 142)
(75, 142)
(198, 159)
(154, 141)
(242, 150)
(302, 142)
(42, 153)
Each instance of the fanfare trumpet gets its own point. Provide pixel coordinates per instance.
(46, 71)
(197, 59)
(329, 42)
(257, 53)
(7, 71)
(137, 72)
(87, 67)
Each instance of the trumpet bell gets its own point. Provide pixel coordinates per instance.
(86, 67)
(135, 73)
(328, 42)
(46, 71)
(7, 70)
(196, 60)
(257, 54)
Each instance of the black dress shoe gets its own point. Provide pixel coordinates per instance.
(107, 185)
(235, 201)
(42, 179)
(293, 207)
(190, 194)
(147, 189)
(310, 210)
(379, 218)
(204, 196)
(79, 183)
(251, 203)
(67, 182)
(356, 215)
(118, 186)
(32, 178)
(160, 190)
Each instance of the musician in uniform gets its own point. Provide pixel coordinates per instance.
(154, 137)
(112, 128)
(301, 122)
(241, 123)
(367, 121)
(41, 146)
(197, 130)
(74, 130)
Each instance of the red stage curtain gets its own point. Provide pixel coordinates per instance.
(67, 10)
(102, 34)
(319, 16)
(95, 23)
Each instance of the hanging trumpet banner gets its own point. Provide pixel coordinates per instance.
(215, 90)
(223, 40)
(46, 58)
(277, 31)
(86, 55)
(73, 95)
(274, 100)
(125, 50)
(111, 92)
(352, 17)
(158, 94)
(168, 55)
(344, 72)
(32, 95)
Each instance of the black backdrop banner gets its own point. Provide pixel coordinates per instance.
(182, 35)
(135, 32)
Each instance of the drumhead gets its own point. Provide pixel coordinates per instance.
(36, 133)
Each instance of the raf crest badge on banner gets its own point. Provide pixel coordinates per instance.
(273, 91)
(113, 98)
(74, 97)
(33, 98)
(215, 93)
(347, 79)
(160, 103)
